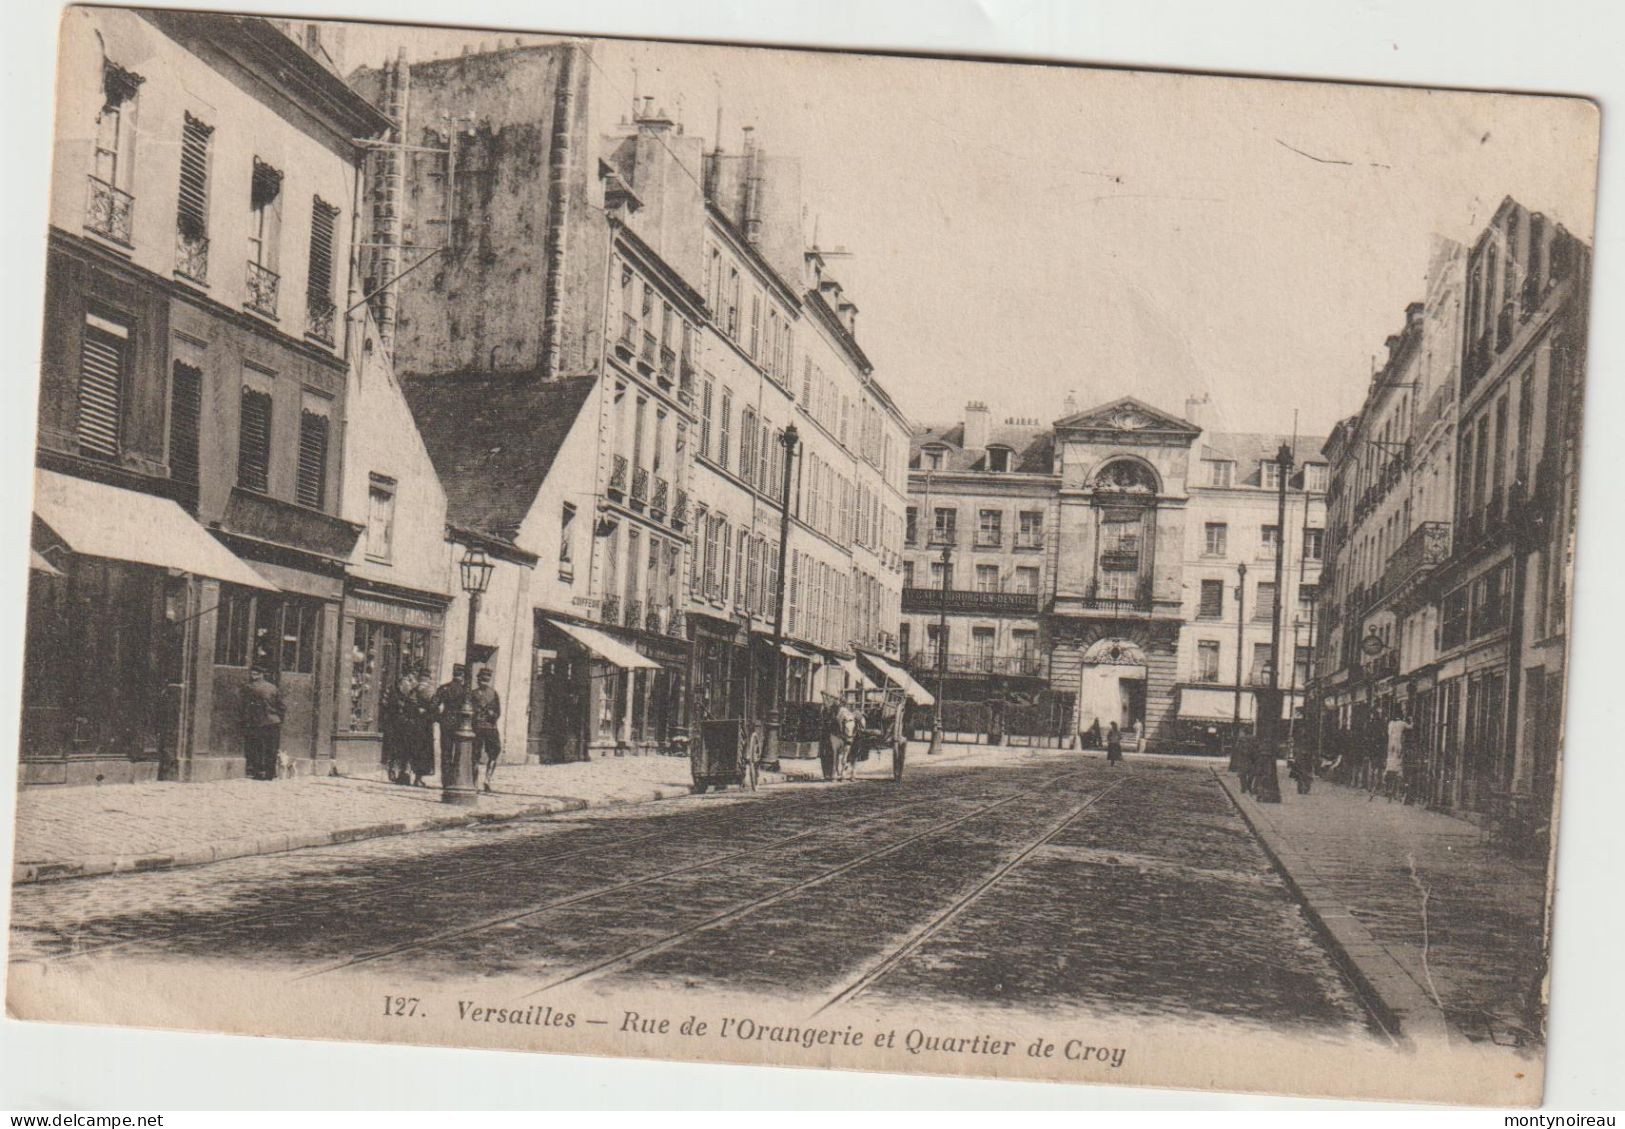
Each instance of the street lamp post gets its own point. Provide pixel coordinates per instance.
(1241, 624)
(457, 771)
(775, 715)
(1266, 784)
(942, 651)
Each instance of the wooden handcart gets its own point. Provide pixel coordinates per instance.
(880, 725)
(726, 751)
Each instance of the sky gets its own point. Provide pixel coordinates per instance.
(1022, 232)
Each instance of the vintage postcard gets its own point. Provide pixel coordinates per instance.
(798, 557)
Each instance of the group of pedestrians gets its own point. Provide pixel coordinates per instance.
(1111, 739)
(1381, 758)
(414, 710)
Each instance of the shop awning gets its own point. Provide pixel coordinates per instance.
(1197, 704)
(38, 563)
(612, 651)
(97, 520)
(917, 694)
(854, 673)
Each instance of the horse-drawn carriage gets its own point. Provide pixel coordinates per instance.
(876, 724)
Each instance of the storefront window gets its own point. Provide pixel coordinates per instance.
(378, 654)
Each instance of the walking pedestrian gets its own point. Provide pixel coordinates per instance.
(1394, 765)
(1091, 736)
(1114, 744)
(846, 732)
(487, 705)
(447, 709)
(262, 713)
(1302, 768)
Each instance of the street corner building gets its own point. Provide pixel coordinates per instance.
(190, 519)
(1117, 565)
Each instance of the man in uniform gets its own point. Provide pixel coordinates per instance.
(487, 740)
(261, 710)
(447, 709)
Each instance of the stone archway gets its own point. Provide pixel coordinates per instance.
(1112, 684)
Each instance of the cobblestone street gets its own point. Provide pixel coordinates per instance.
(1045, 883)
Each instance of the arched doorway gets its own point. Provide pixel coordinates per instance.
(1111, 684)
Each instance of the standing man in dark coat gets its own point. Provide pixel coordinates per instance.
(1114, 744)
(262, 713)
(448, 709)
(487, 738)
(420, 715)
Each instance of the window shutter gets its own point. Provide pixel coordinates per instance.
(312, 490)
(323, 218)
(185, 421)
(254, 441)
(101, 386)
(192, 210)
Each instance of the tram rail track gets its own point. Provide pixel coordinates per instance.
(719, 824)
(670, 940)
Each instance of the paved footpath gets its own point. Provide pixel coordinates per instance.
(1440, 930)
(70, 832)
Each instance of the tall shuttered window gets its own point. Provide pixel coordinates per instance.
(312, 488)
(102, 358)
(185, 422)
(254, 441)
(319, 304)
(192, 203)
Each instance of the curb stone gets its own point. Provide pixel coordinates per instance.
(59, 869)
(1384, 986)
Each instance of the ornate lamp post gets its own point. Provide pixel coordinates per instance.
(1267, 785)
(457, 774)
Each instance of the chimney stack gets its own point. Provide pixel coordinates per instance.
(976, 426)
(1069, 406)
(1196, 410)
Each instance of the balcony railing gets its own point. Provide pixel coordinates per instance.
(1503, 326)
(1117, 605)
(987, 540)
(965, 602)
(110, 212)
(192, 256)
(634, 613)
(657, 504)
(646, 356)
(679, 509)
(652, 622)
(929, 661)
(941, 537)
(1427, 547)
(1029, 541)
(262, 289)
(668, 366)
(612, 609)
(626, 343)
(320, 313)
(676, 622)
(640, 485)
(1478, 362)
(617, 476)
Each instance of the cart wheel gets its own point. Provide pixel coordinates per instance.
(898, 749)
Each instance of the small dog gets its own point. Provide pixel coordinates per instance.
(286, 766)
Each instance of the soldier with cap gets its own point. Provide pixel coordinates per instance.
(487, 739)
(448, 708)
(262, 710)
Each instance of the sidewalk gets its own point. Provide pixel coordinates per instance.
(84, 831)
(1440, 932)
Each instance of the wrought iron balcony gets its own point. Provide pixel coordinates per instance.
(320, 314)
(617, 476)
(640, 485)
(192, 256)
(1026, 541)
(657, 504)
(1503, 326)
(1117, 605)
(929, 661)
(611, 611)
(646, 356)
(676, 622)
(1426, 548)
(679, 509)
(634, 613)
(110, 212)
(626, 343)
(652, 622)
(987, 540)
(927, 601)
(262, 289)
(668, 366)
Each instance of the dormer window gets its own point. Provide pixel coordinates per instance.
(933, 458)
(1220, 472)
(998, 460)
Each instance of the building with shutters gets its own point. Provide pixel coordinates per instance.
(1091, 567)
(678, 281)
(193, 396)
